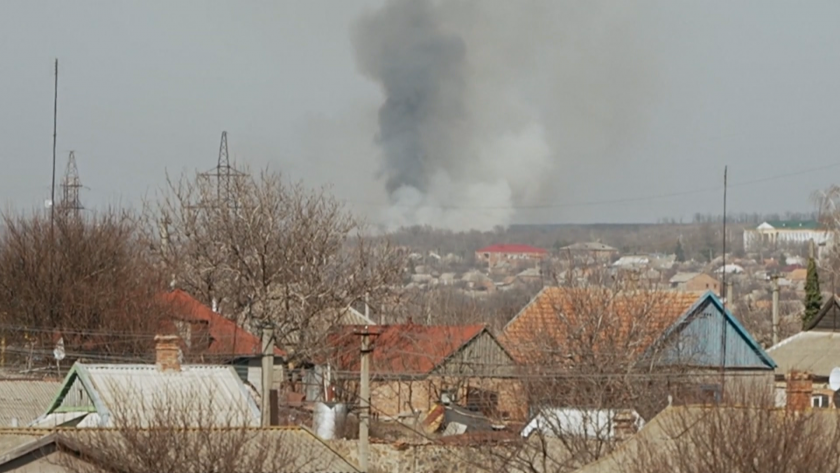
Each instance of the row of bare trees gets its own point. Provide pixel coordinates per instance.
(264, 252)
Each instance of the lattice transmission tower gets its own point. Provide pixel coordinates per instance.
(71, 184)
(225, 176)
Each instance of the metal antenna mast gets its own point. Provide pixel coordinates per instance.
(55, 135)
(71, 183)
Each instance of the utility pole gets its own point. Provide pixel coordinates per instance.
(775, 285)
(364, 412)
(267, 371)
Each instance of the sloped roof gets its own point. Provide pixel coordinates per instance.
(672, 434)
(681, 278)
(288, 448)
(406, 349)
(832, 302)
(25, 399)
(556, 315)
(227, 339)
(815, 352)
(137, 392)
(510, 248)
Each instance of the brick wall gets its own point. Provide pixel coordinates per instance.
(390, 398)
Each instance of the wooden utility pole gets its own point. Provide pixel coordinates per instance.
(267, 371)
(364, 402)
(775, 284)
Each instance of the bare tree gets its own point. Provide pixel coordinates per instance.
(86, 278)
(273, 253)
(735, 439)
(178, 431)
(595, 365)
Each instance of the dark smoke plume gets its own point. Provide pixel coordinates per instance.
(486, 101)
(421, 69)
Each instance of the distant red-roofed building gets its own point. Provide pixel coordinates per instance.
(413, 367)
(495, 254)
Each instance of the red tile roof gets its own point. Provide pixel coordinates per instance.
(226, 338)
(406, 349)
(567, 321)
(511, 249)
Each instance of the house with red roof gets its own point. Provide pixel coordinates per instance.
(209, 337)
(495, 254)
(415, 367)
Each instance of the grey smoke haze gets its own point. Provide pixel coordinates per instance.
(567, 110)
(486, 101)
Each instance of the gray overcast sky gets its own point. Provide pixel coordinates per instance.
(147, 86)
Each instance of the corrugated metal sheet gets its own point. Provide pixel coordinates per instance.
(815, 352)
(196, 396)
(271, 449)
(25, 400)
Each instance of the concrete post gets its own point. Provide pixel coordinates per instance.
(267, 372)
(364, 412)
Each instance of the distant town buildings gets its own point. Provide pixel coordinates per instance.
(783, 232)
(695, 282)
(592, 251)
(495, 254)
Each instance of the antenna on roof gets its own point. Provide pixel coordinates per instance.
(834, 379)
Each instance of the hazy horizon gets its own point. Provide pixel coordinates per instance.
(488, 111)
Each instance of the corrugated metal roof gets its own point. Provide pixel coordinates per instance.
(14, 439)
(212, 395)
(815, 352)
(24, 399)
(265, 449)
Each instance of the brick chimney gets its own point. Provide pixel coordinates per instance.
(624, 424)
(798, 391)
(167, 353)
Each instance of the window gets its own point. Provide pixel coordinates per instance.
(819, 400)
(482, 400)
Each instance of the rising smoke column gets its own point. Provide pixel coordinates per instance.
(490, 104)
(421, 70)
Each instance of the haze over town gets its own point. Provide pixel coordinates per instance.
(591, 113)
